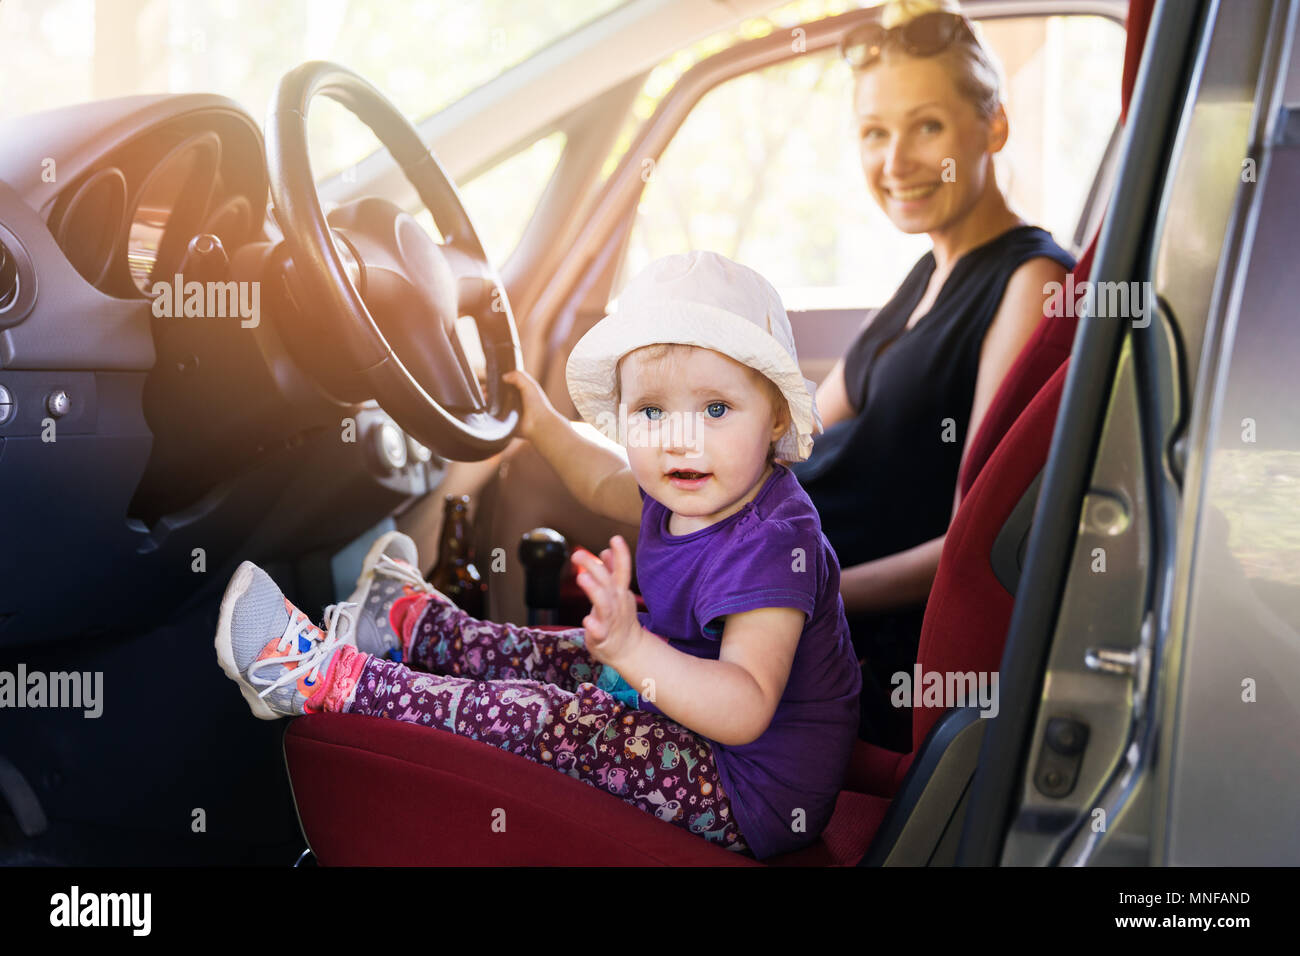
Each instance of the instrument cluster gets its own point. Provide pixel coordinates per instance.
(125, 224)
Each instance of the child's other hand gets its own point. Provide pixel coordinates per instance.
(612, 626)
(536, 408)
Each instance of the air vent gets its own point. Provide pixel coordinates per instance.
(17, 280)
(8, 278)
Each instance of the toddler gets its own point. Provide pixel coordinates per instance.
(730, 707)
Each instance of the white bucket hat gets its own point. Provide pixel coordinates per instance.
(704, 299)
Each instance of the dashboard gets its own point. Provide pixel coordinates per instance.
(125, 222)
(132, 440)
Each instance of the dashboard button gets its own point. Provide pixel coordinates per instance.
(58, 403)
(390, 444)
(418, 451)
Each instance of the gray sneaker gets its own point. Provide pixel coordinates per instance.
(270, 648)
(390, 571)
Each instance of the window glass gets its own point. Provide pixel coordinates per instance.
(502, 199)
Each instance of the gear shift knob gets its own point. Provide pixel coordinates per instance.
(205, 259)
(543, 553)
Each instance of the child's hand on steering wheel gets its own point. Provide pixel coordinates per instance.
(612, 626)
(536, 410)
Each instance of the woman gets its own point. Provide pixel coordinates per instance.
(901, 406)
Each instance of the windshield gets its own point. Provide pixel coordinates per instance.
(422, 54)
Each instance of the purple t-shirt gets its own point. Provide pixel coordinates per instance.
(770, 553)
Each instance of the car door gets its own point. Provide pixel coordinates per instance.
(1148, 705)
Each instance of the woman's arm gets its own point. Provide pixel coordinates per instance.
(1013, 325)
(894, 581)
(833, 398)
(904, 579)
(596, 474)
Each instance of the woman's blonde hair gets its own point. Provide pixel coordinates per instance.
(975, 71)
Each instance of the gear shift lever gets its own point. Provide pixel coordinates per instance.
(205, 259)
(543, 553)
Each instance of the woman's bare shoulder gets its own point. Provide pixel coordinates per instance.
(1027, 291)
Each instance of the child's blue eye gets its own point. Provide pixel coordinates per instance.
(652, 409)
(721, 409)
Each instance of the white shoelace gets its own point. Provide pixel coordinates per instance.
(315, 656)
(402, 572)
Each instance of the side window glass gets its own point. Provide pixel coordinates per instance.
(501, 200)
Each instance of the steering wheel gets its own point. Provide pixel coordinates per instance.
(382, 294)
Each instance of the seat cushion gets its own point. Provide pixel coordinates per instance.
(377, 792)
(876, 770)
(846, 838)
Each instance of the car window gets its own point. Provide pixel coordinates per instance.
(502, 199)
(765, 168)
(422, 54)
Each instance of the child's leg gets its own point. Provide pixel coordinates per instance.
(643, 758)
(441, 638)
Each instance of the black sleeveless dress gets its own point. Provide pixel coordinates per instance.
(883, 481)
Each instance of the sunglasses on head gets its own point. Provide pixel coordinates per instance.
(927, 35)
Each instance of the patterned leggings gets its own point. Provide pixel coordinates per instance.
(532, 692)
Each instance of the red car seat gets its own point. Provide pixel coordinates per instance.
(371, 791)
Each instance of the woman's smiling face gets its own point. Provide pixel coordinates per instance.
(926, 153)
(698, 412)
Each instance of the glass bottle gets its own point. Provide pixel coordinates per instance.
(454, 574)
